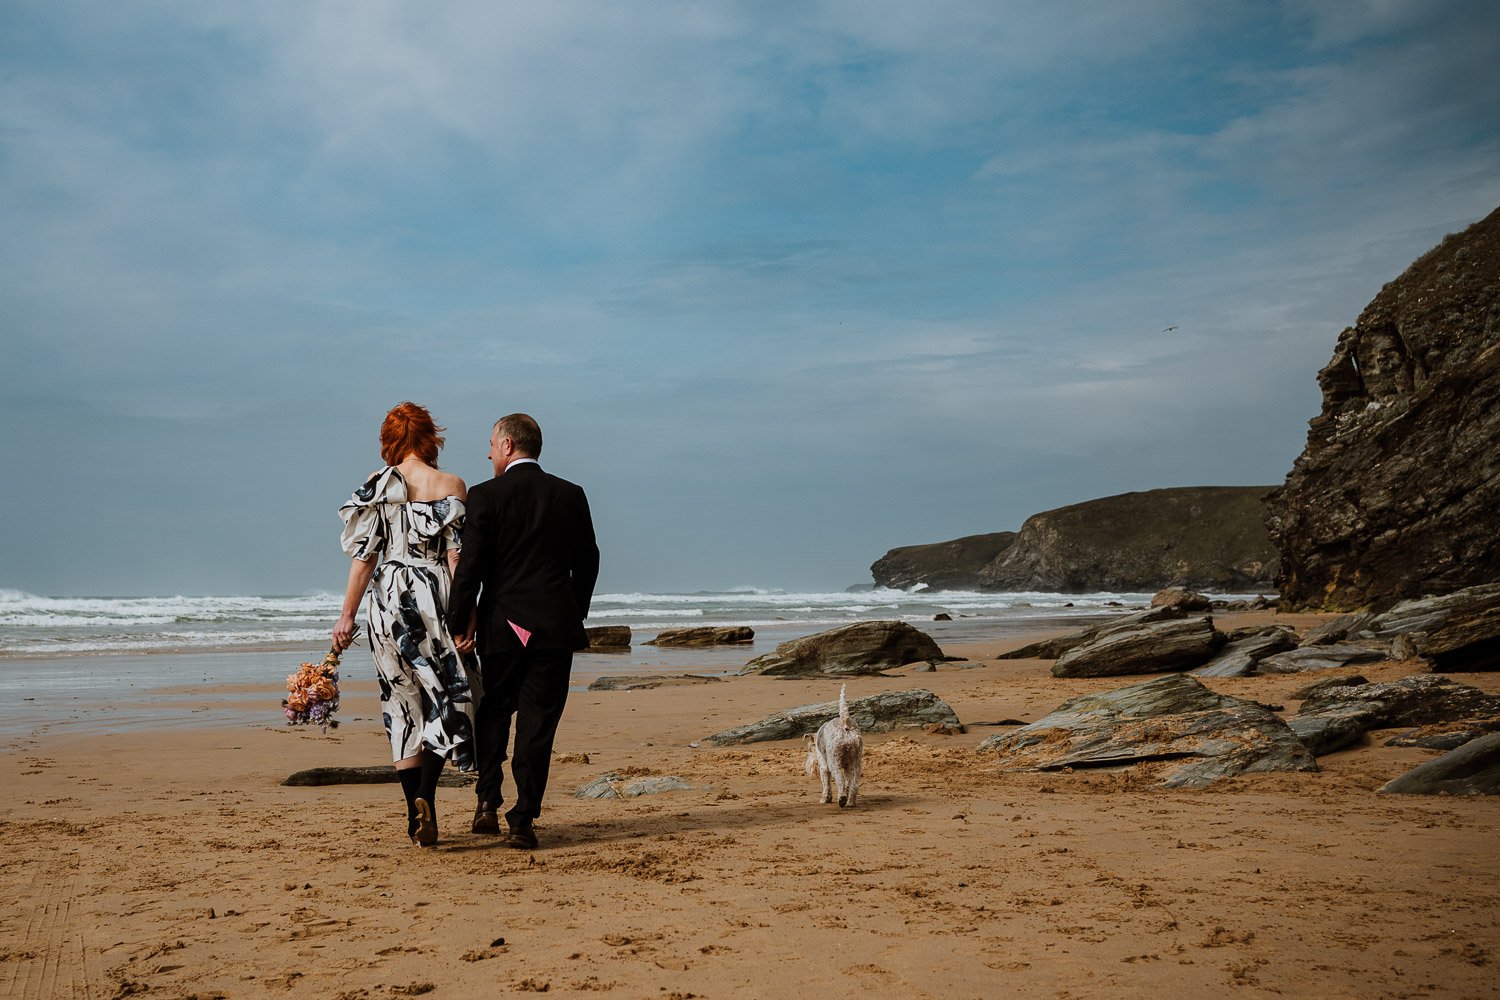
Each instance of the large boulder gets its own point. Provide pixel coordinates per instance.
(879, 713)
(1472, 769)
(1203, 537)
(860, 648)
(1155, 647)
(1348, 712)
(952, 565)
(1397, 493)
(608, 637)
(1166, 719)
(706, 635)
(1458, 631)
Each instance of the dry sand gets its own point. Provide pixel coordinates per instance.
(176, 865)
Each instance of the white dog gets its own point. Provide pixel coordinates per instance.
(837, 750)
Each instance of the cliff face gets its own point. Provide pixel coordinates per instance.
(951, 565)
(1203, 537)
(1397, 493)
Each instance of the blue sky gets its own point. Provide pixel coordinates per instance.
(785, 284)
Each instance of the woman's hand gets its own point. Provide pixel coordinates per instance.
(343, 632)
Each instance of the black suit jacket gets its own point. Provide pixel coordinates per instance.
(528, 556)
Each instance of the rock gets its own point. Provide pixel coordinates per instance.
(1182, 600)
(1422, 700)
(1164, 719)
(1337, 629)
(1240, 655)
(942, 616)
(1143, 649)
(613, 786)
(1472, 769)
(645, 682)
(379, 774)
(608, 637)
(860, 648)
(1445, 735)
(1295, 661)
(713, 635)
(1203, 537)
(1458, 631)
(1323, 734)
(952, 565)
(1318, 688)
(881, 713)
(1397, 493)
(1403, 648)
(1051, 649)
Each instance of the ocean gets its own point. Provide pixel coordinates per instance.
(33, 626)
(103, 664)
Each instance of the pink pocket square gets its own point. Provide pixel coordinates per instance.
(520, 632)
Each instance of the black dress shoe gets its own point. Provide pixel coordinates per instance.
(522, 837)
(485, 820)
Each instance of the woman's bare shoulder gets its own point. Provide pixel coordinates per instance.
(454, 486)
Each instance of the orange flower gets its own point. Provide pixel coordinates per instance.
(297, 701)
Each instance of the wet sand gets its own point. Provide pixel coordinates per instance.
(172, 863)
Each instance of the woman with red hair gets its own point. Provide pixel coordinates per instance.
(402, 531)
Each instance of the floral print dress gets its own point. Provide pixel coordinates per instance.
(428, 690)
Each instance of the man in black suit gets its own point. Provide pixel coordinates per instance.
(529, 558)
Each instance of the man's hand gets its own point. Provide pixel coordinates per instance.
(465, 640)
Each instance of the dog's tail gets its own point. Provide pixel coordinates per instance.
(843, 708)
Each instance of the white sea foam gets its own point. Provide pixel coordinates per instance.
(30, 624)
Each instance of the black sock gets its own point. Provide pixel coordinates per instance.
(432, 769)
(411, 786)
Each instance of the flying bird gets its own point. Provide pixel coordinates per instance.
(1169, 329)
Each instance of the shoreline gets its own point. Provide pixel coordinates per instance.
(172, 861)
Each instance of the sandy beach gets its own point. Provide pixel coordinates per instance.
(171, 862)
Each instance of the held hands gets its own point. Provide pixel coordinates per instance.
(464, 641)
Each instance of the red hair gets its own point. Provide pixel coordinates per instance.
(409, 430)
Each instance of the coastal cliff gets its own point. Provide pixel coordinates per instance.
(952, 565)
(1397, 493)
(1203, 537)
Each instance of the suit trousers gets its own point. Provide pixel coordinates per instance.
(532, 685)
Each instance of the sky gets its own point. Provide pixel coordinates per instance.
(785, 284)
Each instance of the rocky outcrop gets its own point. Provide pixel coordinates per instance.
(1341, 654)
(1458, 631)
(881, 713)
(1202, 537)
(1333, 717)
(952, 565)
(1167, 719)
(645, 682)
(608, 637)
(1472, 769)
(376, 774)
(860, 648)
(616, 786)
(1397, 493)
(1051, 649)
(1239, 656)
(1182, 600)
(710, 635)
(1175, 644)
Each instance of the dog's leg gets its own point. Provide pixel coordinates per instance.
(823, 774)
(854, 782)
(839, 780)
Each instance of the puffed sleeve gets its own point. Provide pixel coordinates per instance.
(364, 527)
(453, 530)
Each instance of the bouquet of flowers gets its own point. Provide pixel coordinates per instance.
(313, 693)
